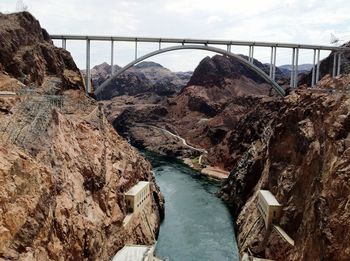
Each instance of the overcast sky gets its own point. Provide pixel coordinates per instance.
(297, 21)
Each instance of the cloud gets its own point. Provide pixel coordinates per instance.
(213, 19)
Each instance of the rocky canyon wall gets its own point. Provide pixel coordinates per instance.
(301, 154)
(63, 168)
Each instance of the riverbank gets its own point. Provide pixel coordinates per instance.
(209, 171)
(196, 163)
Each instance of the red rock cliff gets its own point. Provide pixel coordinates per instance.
(301, 154)
(63, 169)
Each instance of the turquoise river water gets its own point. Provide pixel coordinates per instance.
(197, 226)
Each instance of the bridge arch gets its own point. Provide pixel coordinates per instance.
(241, 60)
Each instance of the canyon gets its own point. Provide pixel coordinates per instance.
(296, 147)
(67, 159)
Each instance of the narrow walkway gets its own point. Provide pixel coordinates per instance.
(283, 234)
(176, 136)
(183, 140)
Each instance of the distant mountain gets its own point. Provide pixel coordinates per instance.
(145, 77)
(302, 68)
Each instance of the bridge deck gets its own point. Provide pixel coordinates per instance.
(192, 41)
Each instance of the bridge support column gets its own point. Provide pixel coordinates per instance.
(88, 73)
(334, 64)
(294, 72)
(250, 53)
(318, 66)
(274, 64)
(112, 57)
(229, 48)
(271, 61)
(296, 68)
(293, 69)
(136, 50)
(160, 45)
(339, 64)
(313, 69)
(64, 44)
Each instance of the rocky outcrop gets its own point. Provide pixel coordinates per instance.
(145, 77)
(214, 71)
(27, 53)
(63, 168)
(300, 153)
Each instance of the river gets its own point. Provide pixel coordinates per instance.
(197, 226)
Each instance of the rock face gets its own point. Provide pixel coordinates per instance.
(214, 71)
(27, 53)
(300, 152)
(146, 77)
(63, 168)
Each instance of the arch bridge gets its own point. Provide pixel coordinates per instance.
(201, 44)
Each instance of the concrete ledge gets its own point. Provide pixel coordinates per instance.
(215, 172)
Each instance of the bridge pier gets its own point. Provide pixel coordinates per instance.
(64, 44)
(112, 57)
(251, 54)
(292, 71)
(313, 70)
(88, 73)
(318, 66)
(339, 64)
(228, 48)
(334, 64)
(295, 71)
(136, 50)
(271, 61)
(274, 63)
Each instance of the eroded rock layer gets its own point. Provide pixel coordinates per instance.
(63, 168)
(301, 154)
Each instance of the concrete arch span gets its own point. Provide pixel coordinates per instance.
(241, 60)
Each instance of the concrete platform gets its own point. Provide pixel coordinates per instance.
(284, 235)
(215, 172)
